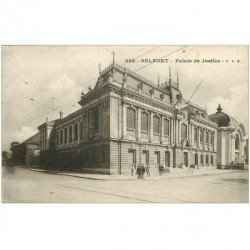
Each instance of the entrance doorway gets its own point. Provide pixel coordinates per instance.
(131, 157)
(186, 159)
(196, 159)
(145, 158)
(157, 158)
(167, 159)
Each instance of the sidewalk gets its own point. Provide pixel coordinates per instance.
(174, 173)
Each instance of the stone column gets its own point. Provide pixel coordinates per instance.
(198, 137)
(162, 129)
(124, 121)
(151, 126)
(189, 132)
(171, 130)
(179, 132)
(138, 134)
(73, 133)
(176, 131)
(215, 141)
(78, 139)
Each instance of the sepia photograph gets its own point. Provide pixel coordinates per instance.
(125, 124)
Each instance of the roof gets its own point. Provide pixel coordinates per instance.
(223, 119)
(32, 140)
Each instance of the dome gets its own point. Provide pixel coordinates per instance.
(223, 119)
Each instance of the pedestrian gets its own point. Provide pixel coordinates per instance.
(139, 172)
(148, 170)
(132, 169)
(161, 169)
(142, 171)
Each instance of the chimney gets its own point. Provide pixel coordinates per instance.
(61, 115)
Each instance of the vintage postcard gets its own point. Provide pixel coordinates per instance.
(125, 124)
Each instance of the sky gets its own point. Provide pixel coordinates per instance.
(40, 81)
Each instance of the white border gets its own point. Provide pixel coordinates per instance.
(124, 226)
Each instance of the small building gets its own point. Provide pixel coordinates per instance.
(231, 140)
(27, 153)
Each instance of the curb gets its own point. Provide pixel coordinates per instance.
(133, 179)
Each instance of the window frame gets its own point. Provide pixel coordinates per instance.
(166, 128)
(156, 125)
(182, 131)
(144, 122)
(131, 118)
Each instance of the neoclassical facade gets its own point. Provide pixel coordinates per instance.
(231, 140)
(128, 120)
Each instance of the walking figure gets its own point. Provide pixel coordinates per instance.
(132, 169)
(139, 172)
(148, 170)
(142, 171)
(161, 169)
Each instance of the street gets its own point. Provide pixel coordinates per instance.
(21, 185)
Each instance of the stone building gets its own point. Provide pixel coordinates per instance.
(231, 140)
(127, 120)
(27, 153)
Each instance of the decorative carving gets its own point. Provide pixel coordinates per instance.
(124, 79)
(105, 104)
(110, 79)
(82, 94)
(139, 86)
(152, 91)
(89, 88)
(162, 96)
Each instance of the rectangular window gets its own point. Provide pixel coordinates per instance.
(206, 159)
(130, 118)
(65, 135)
(183, 131)
(212, 138)
(144, 122)
(212, 160)
(145, 157)
(201, 159)
(207, 136)
(70, 134)
(166, 127)
(195, 134)
(61, 137)
(57, 138)
(157, 157)
(156, 124)
(76, 132)
(201, 136)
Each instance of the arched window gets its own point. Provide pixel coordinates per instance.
(81, 130)
(212, 138)
(237, 142)
(166, 127)
(57, 138)
(195, 134)
(156, 125)
(65, 135)
(183, 131)
(201, 136)
(96, 120)
(130, 118)
(144, 121)
(76, 132)
(207, 136)
(61, 137)
(70, 133)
